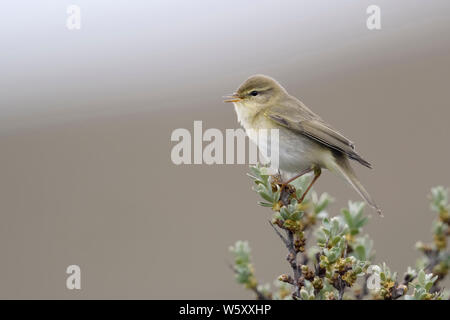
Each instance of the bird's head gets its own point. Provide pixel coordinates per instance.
(257, 92)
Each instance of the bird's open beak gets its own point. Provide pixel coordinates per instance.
(232, 98)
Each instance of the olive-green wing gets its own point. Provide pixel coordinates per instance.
(306, 123)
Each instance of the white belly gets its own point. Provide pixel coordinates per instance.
(296, 153)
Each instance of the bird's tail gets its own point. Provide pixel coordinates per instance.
(342, 167)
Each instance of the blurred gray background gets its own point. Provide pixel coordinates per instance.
(86, 117)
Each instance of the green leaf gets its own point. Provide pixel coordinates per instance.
(439, 198)
(360, 252)
(265, 204)
(296, 215)
(284, 213)
(421, 277)
(265, 196)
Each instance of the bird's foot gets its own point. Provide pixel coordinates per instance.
(287, 191)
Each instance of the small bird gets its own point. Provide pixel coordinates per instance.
(306, 142)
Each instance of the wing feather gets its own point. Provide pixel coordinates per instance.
(304, 121)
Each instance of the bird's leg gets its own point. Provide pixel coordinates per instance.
(297, 176)
(317, 172)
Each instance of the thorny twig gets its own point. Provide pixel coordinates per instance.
(364, 290)
(292, 256)
(341, 287)
(434, 260)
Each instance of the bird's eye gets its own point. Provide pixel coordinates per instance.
(254, 93)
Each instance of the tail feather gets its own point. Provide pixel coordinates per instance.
(343, 168)
(358, 158)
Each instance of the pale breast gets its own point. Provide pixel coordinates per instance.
(296, 152)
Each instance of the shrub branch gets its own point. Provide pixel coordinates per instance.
(336, 264)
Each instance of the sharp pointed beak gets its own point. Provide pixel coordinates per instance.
(232, 98)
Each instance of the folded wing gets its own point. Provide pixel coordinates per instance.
(307, 123)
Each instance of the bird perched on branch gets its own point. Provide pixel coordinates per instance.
(306, 142)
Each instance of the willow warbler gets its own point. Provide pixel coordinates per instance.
(306, 142)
